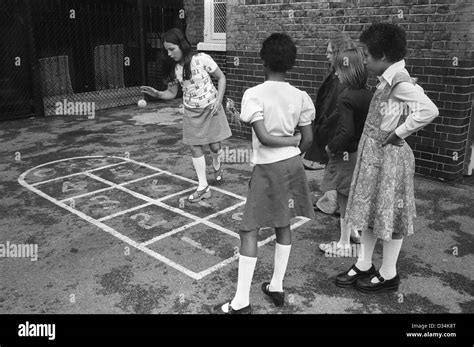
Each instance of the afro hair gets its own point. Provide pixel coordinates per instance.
(278, 52)
(385, 39)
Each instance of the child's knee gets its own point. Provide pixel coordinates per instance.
(248, 236)
(196, 151)
(283, 235)
(215, 147)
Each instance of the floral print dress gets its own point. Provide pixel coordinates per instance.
(382, 188)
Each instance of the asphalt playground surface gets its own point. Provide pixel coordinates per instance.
(103, 200)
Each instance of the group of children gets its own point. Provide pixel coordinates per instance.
(370, 166)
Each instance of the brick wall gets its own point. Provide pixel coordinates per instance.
(194, 21)
(195, 30)
(440, 56)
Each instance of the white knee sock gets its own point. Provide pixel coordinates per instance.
(345, 233)
(391, 250)
(367, 244)
(246, 269)
(216, 159)
(200, 167)
(282, 253)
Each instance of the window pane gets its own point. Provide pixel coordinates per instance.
(219, 16)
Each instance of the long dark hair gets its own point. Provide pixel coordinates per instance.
(177, 37)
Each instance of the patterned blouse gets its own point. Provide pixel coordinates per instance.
(199, 91)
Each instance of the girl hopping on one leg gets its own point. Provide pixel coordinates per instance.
(204, 121)
(278, 188)
(381, 199)
(352, 107)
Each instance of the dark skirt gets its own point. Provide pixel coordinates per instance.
(338, 173)
(277, 193)
(200, 127)
(316, 153)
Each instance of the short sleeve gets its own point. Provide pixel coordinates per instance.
(207, 62)
(252, 108)
(308, 112)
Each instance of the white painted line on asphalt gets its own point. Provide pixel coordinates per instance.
(230, 208)
(86, 194)
(189, 180)
(169, 233)
(144, 205)
(111, 231)
(119, 213)
(140, 178)
(175, 194)
(149, 201)
(295, 225)
(222, 229)
(217, 266)
(109, 188)
(75, 174)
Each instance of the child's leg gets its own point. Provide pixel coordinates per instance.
(345, 231)
(216, 152)
(391, 250)
(199, 163)
(282, 253)
(247, 261)
(367, 243)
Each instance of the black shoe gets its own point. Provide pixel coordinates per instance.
(343, 280)
(278, 297)
(365, 285)
(244, 310)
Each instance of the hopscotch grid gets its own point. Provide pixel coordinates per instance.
(115, 233)
(204, 221)
(149, 201)
(76, 174)
(124, 212)
(109, 188)
(144, 205)
(188, 179)
(197, 220)
(174, 209)
(170, 233)
(236, 256)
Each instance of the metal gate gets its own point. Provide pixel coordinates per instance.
(92, 50)
(16, 92)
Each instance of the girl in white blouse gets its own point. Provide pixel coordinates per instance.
(278, 188)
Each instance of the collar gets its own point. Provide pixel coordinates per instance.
(388, 74)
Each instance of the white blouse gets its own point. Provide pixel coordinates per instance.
(422, 109)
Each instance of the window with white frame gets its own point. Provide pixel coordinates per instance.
(214, 26)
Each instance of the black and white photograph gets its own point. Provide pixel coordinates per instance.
(165, 163)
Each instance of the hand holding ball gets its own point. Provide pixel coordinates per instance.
(141, 103)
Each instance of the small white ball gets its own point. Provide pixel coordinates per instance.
(141, 103)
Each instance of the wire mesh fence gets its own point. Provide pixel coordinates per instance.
(16, 95)
(219, 16)
(85, 51)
